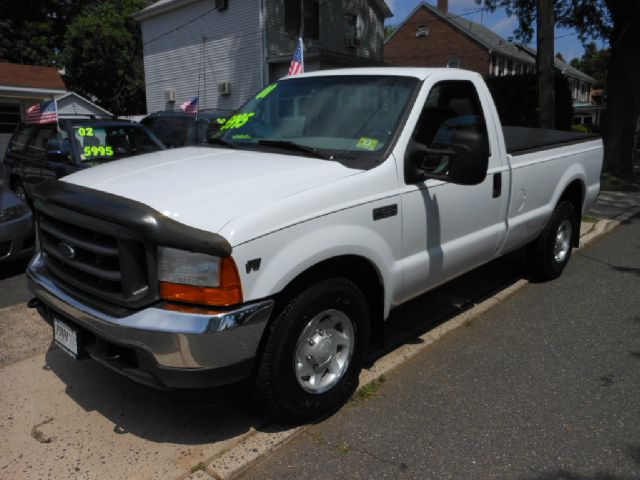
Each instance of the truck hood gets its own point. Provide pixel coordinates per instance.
(206, 187)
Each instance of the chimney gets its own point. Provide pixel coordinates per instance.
(443, 5)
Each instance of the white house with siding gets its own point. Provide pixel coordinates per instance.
(226, 50)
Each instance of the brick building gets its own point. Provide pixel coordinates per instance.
(433, 37)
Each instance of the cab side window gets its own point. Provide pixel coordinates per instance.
(20, 140)
(45, 139)
(450, 107)
(38, 145)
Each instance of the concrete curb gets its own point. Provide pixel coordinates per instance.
(253, 446)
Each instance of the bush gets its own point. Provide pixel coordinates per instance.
(516, 99)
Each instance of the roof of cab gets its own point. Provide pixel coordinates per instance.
(420, 73)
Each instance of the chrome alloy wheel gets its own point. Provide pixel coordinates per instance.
(563, 241)
(323, 351)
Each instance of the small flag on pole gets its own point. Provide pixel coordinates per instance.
(43, 112)
(297, 62)
(190, 106)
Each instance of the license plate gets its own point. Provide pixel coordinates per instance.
(66, 337)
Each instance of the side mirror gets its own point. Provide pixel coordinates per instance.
(465, 161)
(470, 166)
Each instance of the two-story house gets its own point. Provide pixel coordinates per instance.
(431, 36)
(226, 50)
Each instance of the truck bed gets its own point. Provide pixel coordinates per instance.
(521, 140)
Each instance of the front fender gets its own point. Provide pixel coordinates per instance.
(286, 254)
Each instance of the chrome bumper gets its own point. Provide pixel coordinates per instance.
(173, 340)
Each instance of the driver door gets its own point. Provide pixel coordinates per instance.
(448, 228)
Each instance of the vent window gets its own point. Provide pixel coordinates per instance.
(422, 31)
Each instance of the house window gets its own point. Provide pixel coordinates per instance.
(354, 29)
(453, 63)
(310, 16)
(9, 117)
(509, 67)
(500, 66)
(422, 31)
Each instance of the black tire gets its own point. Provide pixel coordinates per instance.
(19, 190)
(543, 262)
(276, 386)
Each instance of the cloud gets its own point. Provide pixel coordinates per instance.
(505, 26)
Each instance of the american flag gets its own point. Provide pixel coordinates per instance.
(43, 112)
(297, 62)
(190, 106)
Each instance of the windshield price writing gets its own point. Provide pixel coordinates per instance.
(85, 132)
(98, 151)
(237, 121)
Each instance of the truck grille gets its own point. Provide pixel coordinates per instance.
(95, 257)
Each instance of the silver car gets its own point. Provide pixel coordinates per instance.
(16, 227)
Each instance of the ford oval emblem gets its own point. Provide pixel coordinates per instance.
(67, 250)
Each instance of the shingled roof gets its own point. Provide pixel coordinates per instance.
(30, 76)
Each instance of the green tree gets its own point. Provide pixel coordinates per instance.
(32, 31)
(617, 22)
(103, 56)
(594, 62)
(389, 30)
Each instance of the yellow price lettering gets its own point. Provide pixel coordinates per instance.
(85, 132)
(237, 121)
(98, 150)
(266, 91)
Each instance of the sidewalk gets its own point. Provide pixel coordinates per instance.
(410, 331)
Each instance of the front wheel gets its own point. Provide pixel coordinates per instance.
(314, 352)
(549, 254)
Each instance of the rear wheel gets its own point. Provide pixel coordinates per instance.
(20, 191)
(314, 352)
(549, 254)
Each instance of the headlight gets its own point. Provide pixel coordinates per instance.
(198, 278)
(188, 268)
(11, 213)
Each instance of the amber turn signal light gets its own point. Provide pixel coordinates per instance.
(228, 293)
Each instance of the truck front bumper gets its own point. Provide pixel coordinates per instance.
(159, 347)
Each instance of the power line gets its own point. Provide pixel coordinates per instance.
(566, 35)
(179, 27)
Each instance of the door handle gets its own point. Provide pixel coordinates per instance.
(497, 184)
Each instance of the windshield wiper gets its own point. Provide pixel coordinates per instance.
(221, 141)
(294, 147)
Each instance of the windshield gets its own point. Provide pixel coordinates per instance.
(338, 117)
(103, 143)
(171, 130)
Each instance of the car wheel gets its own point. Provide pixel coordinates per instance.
(549, 254)
(20, 191)
(314, 352)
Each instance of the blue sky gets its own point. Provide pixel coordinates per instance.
(569, 45)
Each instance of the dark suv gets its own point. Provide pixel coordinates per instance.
(50, 151)
(178, 129)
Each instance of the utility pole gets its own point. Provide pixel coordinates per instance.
(545, 62)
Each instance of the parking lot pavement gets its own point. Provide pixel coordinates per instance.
(64, 419)
(22, 333)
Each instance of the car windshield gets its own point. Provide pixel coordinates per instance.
(171, 130)
(99, 143)
(335, 117)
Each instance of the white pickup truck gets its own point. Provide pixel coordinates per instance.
(275, 253)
